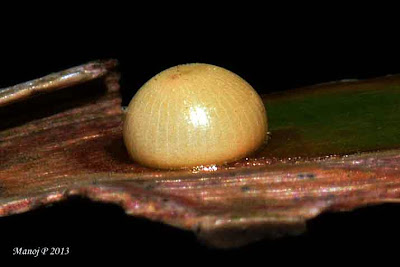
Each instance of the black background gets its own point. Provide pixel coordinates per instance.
(272, 53)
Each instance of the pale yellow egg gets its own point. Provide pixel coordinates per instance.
(194, 114)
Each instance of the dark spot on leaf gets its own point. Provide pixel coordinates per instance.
(330, 197)
(305, 175)
(300, 175)
(149, 187)
(245, 188)
(310, 175)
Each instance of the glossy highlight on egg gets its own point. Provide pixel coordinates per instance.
(194, 114)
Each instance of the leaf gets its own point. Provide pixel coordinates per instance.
(332, 147)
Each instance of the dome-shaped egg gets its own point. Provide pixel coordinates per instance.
(194, 114)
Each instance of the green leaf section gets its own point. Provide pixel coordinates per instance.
(338, 119)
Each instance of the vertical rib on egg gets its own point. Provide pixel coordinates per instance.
(194, 114)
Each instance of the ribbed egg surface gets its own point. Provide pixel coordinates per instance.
(192, 115)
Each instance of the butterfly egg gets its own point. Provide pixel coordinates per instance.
(194, 114)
